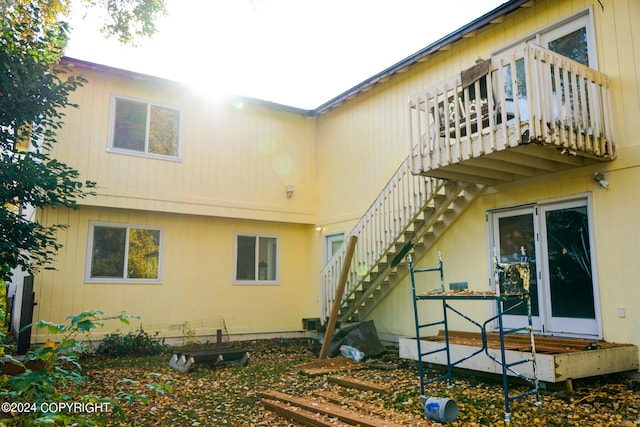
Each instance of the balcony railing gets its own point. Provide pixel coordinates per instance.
(520, 101)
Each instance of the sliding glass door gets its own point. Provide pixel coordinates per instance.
(556, 239)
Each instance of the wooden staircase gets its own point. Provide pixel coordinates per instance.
(408, 216)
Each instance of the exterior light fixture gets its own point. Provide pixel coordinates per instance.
(601, 180)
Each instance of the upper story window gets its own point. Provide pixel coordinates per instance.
(256, 259)
(120, 253)
(144, 128)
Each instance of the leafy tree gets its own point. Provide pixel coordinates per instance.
(34, 91)
(126, 20)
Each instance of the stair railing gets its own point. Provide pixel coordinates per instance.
(380, 228)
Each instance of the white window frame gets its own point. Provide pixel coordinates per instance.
(584, 199)
(235, 259)
(123, 280)
(581, 18)
(328, 241)
(112, 119)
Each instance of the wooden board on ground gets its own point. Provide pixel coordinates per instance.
(359, 384)
(301, 416)
(327, 366)
(327, 408)
(407, 419)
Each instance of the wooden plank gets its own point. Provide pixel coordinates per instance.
(512, 156)
(371, 409)
(489, 163)
(327, 366)
(299, 415)
(337, 299)
(482, 363)
(550, 345)
(349, 416)
(359, 384)
(596, 362)
(345, 401)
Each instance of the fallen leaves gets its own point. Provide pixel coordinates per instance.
(230, 396)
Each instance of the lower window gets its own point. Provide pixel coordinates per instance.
(123, 254)
(256, 259)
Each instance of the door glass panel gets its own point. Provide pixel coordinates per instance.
(569, 257)
(335, 245)
(516, 233)
(573, 45)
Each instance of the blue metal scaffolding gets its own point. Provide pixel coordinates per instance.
(512, 286)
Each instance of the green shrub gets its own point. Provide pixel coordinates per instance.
(56, 378)
(137, 343)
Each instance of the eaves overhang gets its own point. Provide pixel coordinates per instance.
(132, 75)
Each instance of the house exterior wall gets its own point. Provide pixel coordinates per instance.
(239, 157)
(465, 247)
(614, 211)
(231, 180)
(197, 288)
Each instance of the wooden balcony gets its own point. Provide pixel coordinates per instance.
(524, 113)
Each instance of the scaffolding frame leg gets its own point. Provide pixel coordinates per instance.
(505, 366)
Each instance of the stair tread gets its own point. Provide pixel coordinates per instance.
(451, 199)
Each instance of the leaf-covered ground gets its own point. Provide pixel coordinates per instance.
(228, 395)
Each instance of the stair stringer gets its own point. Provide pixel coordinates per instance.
(423, 231)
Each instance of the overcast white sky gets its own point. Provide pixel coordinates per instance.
(300, 53)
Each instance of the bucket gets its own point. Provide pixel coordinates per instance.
(441, 409)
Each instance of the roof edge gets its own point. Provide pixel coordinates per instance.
(133, 75)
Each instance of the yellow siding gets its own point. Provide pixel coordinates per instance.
(197, 280)
(616, 234)
(238, 162)
(362, 142)
(238, 157)
(616, 213)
